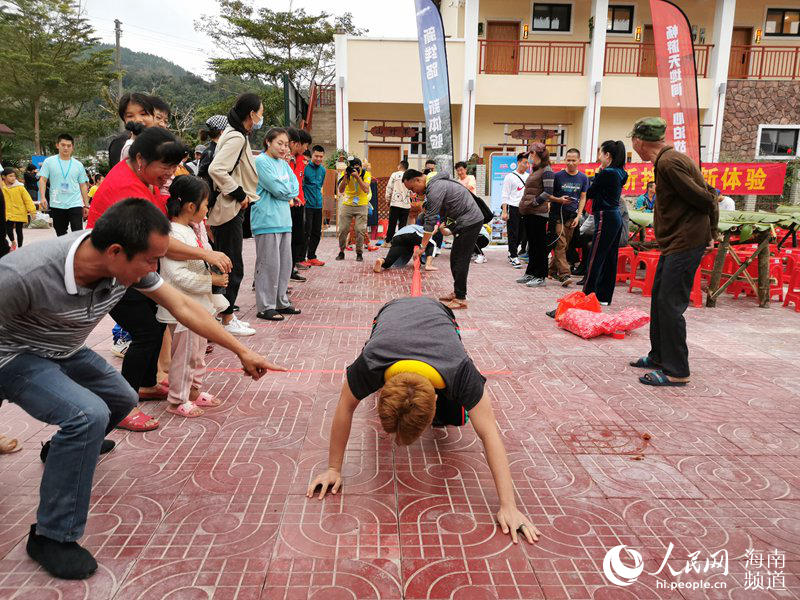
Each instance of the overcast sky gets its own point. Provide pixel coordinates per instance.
(166, 27)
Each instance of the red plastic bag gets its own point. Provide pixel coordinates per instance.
(577, 300)
(586, 323)
(629, 319)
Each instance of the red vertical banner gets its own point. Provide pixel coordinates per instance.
(677, 79)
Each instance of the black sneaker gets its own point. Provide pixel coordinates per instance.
(295, 276)
(551, 313)
(105, 447)
(340, 256)
(359, 257)
(235, 306)
(65, 560)
(289, 310)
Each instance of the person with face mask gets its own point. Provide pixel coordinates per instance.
(233, 172)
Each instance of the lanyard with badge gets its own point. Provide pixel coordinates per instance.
(64, 188)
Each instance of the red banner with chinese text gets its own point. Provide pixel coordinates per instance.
(732, 179)
(677, 81)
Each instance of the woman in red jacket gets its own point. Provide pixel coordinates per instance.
(152, 161)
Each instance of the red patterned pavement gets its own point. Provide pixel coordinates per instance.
(214, 507)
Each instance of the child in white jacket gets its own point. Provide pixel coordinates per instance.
(187, 207)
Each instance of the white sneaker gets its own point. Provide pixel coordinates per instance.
(120, 347)
(536, 282)
(515, 262)
(237, 327)
(480, 259)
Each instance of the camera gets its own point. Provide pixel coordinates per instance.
(353, 166)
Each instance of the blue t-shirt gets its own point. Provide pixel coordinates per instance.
(313, 178)
(573, 186)
(65, 177)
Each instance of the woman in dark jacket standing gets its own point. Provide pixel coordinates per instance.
(534, 207)
(605, 193)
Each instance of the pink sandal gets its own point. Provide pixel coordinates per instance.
(206, 400)
(137, 423)
(188, 409)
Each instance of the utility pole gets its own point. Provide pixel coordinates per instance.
(118, 33)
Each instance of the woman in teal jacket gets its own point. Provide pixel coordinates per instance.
(271, 222)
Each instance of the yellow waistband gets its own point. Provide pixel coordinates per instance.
(418, 367)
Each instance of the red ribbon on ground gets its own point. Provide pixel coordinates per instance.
(416, 279)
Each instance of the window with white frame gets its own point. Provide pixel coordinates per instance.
(620, 19)
(552, 17)
(778, 141)
(782, 22)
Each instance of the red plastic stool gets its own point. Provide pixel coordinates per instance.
(793, 295)
(649, 260)
(696, 295)
(625, 258)
(707, 264)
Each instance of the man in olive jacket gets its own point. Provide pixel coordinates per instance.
(685, 221)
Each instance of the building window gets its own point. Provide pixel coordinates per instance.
(778, 142)
(620, 19)
(782, 21)
(418, 143)
(552, 17)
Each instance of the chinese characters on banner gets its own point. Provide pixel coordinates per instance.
(435, 85)
(677, 83)
(732, 179)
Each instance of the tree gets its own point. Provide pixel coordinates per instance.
(49, 71)
(263, 44)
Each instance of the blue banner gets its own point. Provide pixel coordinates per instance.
(435, 85)
(500, 167)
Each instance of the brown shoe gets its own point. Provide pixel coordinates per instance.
(451, 296)
(455, 304)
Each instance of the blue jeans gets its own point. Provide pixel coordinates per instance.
(86, 397)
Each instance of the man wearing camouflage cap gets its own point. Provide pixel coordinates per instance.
(685, 219)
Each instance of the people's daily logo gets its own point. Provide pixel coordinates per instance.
(616, 571)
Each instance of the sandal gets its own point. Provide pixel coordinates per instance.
(206, 400)
(270, 315)
(9, 445)
(659, 379)
(137, 423)
(188, 409)
(643, 363)
(451, 296)
(455, 304)
(160, 392)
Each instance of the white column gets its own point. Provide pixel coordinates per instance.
(718, 72)
(467, 145)
(342, 103)
(595, 62)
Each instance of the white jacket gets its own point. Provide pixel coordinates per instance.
(396, 193)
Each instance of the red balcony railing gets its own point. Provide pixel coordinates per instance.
(630, 58)
(326, 95)
(512, 57)
(764, 62)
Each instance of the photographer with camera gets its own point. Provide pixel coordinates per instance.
(354, 184)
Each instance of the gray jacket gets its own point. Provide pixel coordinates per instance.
(448, 199)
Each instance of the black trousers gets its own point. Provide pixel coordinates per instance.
(671, 289)
(313, 231)
(67, 217)
(228, 240)
(480, 244)
(298, 234)
(601, 274)
(536, 230)
(398, 218)
(513, 227)
(11, 226)
(403, 249)
(136, 314)
(460, 256)
(4, 247)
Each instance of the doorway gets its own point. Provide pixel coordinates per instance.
(383, 159)
(502, 55)
(739, 66)
(647, 56)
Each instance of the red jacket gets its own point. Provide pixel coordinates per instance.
(121, 183)
(298, 164)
